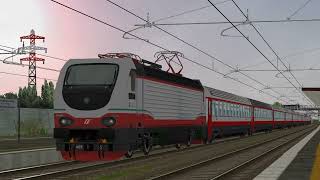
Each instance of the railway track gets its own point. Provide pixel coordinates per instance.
(60, 169)
(26, 144)
(33, 171)
(222, 166)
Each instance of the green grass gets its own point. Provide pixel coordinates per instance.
(127, 172)
(31, 128)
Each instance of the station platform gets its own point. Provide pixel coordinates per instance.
(300, 162)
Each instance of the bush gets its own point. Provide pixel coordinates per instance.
(33, 128)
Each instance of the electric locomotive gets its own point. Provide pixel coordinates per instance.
(111, 106)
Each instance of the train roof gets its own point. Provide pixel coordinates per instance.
(216, 93)
(282, 109)
(260, 104)
(157, 73)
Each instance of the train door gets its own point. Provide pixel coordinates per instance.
(252, 122)
(132, 91)
(133, 107)
(209, 137)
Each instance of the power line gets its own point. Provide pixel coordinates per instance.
(121, 30)
(196, 48)
(49, 69)
(14, 74)
(268, 44)
(301, 7)
(235, 22)
(52, 57)
(283, 70)
(44, 55)
(188, 11)
(7, 47)
(251, 43)
(8, 52)
(284, 57)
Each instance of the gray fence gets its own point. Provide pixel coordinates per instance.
(34, 122)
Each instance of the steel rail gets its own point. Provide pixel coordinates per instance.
(119, 162)
(220, 157)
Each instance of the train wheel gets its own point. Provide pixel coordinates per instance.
(147, 145)
(129, 153)
(178, 146)
(188, 144)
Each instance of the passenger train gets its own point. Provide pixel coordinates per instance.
(111, 106)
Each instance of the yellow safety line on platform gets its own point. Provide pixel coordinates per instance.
(315, 174)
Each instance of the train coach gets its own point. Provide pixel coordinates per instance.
(111, 106)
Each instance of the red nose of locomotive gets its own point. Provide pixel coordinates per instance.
(83, 93)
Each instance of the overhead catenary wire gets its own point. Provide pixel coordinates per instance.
(235, 22)
(156, 45)
(283, 70)
(252, 44)
(193, 46)
(275, 53)
(188, 11)
(299, 9)
(39, 67)
(44, 55)
(284, 57)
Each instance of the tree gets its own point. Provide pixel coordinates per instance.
(28, 97)
(47, 90)
(277, 105)
(10, 95)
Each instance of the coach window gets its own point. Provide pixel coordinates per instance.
(236, 110)
(223, 109)
(233, 110)
(133, 76)
(214, 108)
(243, 111)
(226, 109)
(219, 109)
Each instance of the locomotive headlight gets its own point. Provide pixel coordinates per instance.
(109, 121)
(65, 121)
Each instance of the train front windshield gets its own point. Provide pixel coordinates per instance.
(89, 86)
(92, 74)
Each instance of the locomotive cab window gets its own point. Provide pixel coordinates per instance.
(89, 86)
(133, 76)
